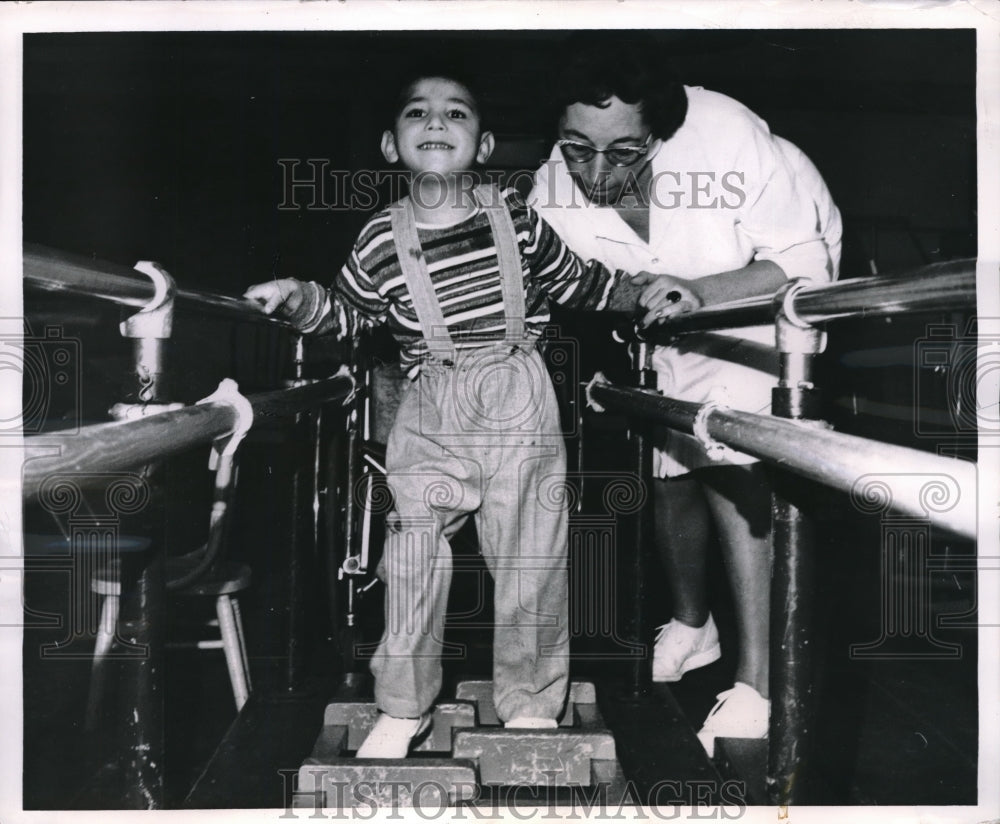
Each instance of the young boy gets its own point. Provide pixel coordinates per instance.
(461, 276)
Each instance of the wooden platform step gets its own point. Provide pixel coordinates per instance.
(467, 753)
(559, 758)
(359, 718)
(381, 783)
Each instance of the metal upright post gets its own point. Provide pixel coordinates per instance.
(303, 529)
(793, 573)
(140, 713)
(644, 377)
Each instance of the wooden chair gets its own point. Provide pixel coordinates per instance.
(199, 574)
(222, 582)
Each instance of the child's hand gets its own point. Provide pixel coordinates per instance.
(664, 296)
(282, 297)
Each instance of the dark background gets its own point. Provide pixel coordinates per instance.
(166, 145)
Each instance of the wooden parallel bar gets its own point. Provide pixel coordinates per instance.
(919, 484)
(50, 270)
(110, 447)
(937, 287)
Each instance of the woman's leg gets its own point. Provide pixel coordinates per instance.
(690, 640)
(740, 500)
(739, 497)
(683, 529)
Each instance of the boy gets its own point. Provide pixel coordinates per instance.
(461, 276)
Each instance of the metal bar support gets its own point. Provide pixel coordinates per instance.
(642, 456)
(141, 712)
(636, 631)
(792, 576)
(302, 543)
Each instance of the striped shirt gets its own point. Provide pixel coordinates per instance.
(463, 267)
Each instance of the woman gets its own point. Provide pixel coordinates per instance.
(651, 175)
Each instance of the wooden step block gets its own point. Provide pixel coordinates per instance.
(359, 717)
(330, 743)
(558, 757)
(431, 784)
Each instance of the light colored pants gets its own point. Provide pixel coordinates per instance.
(480, 438)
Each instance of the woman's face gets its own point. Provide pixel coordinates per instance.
(618, 124)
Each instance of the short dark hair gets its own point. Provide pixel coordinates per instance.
(595, 67)
(443, 72)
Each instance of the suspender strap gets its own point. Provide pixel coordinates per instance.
(509, 257)
(418, 281)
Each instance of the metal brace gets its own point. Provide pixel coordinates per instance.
(155, 319)
(598, 378)
(715, 450)
(793, 335)
(226, 445)
(344, 372)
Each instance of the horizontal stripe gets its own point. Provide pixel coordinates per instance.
(464, 269)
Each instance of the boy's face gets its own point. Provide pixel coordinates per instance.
(437, 129)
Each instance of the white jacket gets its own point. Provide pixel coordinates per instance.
(724, 194)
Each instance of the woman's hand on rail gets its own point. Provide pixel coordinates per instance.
(664, 297)
(282, 297)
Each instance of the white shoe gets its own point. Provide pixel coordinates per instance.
(741, 712)
(527, 722)
(391, 737)
(680, 648)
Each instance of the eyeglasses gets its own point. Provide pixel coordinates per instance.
(577, 152)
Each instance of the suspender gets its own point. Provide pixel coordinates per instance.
(418, 280)
(509, 257)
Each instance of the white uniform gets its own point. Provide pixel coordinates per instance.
(723, 195)
(828, 221)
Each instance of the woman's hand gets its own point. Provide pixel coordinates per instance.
(665, 296)
(282, 297)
